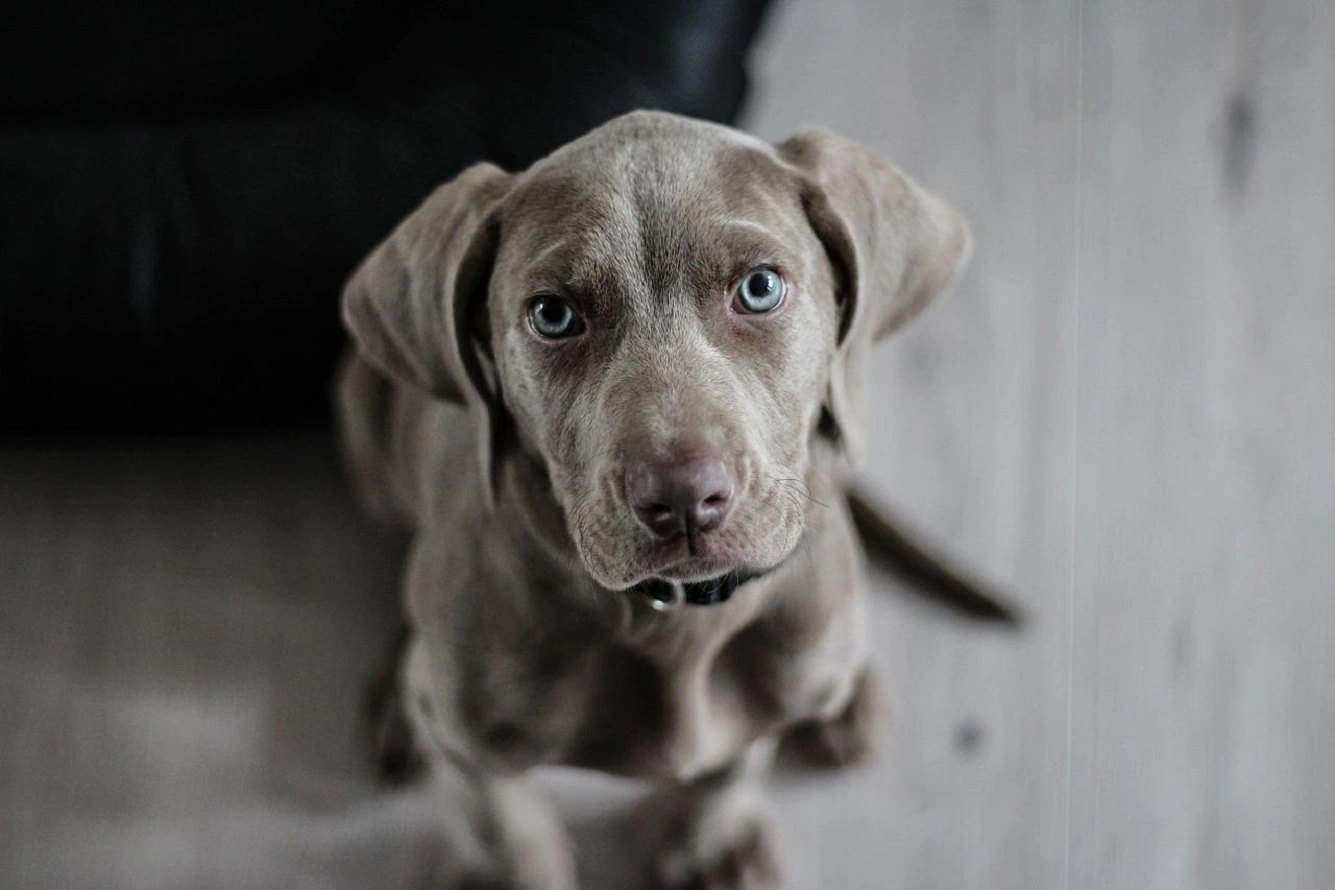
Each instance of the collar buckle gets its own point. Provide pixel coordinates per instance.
(676, 596)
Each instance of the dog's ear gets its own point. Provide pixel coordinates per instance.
(894, 247)
(416, 307)
(410, 306)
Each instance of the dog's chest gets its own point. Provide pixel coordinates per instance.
(667, 701)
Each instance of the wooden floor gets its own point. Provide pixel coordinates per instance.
(1125, 412)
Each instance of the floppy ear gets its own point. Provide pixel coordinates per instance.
(894, 247)
(416, 306)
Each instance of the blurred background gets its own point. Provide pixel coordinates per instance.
(1124, 413)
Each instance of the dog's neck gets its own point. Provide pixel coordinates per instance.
(668, 594)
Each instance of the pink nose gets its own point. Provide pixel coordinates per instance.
(682, 496)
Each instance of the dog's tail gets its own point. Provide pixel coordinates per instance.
(891, 548)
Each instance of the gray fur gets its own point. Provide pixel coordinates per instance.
(505, 456)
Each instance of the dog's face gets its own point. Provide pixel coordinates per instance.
(662, 308)
(666, 315)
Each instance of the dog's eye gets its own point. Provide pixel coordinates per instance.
(760, 291)
(554, 317)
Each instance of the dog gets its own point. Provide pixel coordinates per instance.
(615, 399)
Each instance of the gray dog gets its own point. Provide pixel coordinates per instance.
(614, 398)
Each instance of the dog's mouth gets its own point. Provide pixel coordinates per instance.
(691, 568)
(706, 570)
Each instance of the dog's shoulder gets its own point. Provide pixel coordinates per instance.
(408, 455)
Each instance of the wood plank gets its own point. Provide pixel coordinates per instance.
(184, 631)
(1206, 486)
(972, 424)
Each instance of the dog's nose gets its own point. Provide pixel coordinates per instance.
(680, 496)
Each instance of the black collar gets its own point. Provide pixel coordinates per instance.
(697, 593)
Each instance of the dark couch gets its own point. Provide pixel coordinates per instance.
(183, 188)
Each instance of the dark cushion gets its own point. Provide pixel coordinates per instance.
(183, 197)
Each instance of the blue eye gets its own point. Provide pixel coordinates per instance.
(554, 317)
(761, 290)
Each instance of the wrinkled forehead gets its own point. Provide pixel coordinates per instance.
(651, 210)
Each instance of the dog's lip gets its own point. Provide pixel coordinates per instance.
(679, 569)
(694, 569)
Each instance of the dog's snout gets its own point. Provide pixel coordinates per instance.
(681, 496)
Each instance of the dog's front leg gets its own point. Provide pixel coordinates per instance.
(716, 832)
(499, 833)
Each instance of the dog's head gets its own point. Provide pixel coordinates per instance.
(666, 315)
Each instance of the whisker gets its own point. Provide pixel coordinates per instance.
(801, 488)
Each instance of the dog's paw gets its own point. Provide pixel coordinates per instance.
(826, 745)
(843, 741)
(745, 858)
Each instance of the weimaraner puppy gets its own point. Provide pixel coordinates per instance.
(615, 397)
